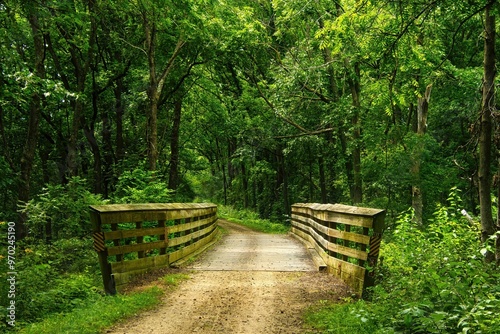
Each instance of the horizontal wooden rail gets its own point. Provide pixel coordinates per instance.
(131, 239)
(346, 237)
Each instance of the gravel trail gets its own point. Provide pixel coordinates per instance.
(249, 283)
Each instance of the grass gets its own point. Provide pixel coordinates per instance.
(344, 318)
(97, 315)
(173, 280)
(251, 220)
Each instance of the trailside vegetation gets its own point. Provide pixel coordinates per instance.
(256, 106)
(432, 281)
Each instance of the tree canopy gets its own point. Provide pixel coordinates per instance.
(255, 104)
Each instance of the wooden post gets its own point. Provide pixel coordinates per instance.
(164, 236)
(116, 242)
(102, 252)
(139, 240)
(375, 239)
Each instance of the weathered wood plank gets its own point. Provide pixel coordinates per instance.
(350, 273)
(144, 263)
(189, 237)
(191, 225)
(189, 218)
(318, 225)
(348, 215)
(132, 216)
(106, 271)
(122, 234)
(341, 218)
(350, 236)
(188, 250)
(340, 249)
(136, 247)
(121, 213)
(151, 207)
(347, 251)
(341, 208)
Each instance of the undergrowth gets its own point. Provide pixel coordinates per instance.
(251, 220)
(58, 281)
(431, 280)
(95, 315)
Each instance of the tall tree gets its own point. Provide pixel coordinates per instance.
(416, 191)
(159, 68)
(485, 136)
(29, 150)
(173, 178)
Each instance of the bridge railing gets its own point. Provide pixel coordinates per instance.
(347, 238)
(131, 239)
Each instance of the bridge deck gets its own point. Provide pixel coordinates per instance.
(244, 250)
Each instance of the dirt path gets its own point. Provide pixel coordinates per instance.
(249, 283)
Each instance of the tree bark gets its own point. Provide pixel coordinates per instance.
(30, 145)
(119, 111)
(153, 95)
(173, 179)
(244, 178)
(354, 85)
(416, 189)
(156, 82)
(322, 179)
(485, 139)
(82, 65)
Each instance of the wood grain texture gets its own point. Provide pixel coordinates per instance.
(340, 234)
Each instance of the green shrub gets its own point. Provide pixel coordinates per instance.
(430, 281)
(141, 186)
(96, 314)
(52, 278)
(65, 208)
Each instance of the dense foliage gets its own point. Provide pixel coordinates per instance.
(432, 281)
(256, 105)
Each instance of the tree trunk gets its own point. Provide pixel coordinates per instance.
(231, 168)
(30, 145)
(322, 179)
(96, 153)
(416, 189)
(153, 93)
(487, 109)
(82, 65)
(244, 178)
(282, 180)
(221, 159)
(348, 163)
(354, 85)
(152, 128)
(107, 153)
(497, 241)
(119, 110)
(173, 179)
(156, 84)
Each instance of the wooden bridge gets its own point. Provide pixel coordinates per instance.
(136, 238)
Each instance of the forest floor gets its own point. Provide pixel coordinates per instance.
(249, 282)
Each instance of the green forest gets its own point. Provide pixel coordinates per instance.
(256, 105)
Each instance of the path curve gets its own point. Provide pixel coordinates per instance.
(249, 283)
